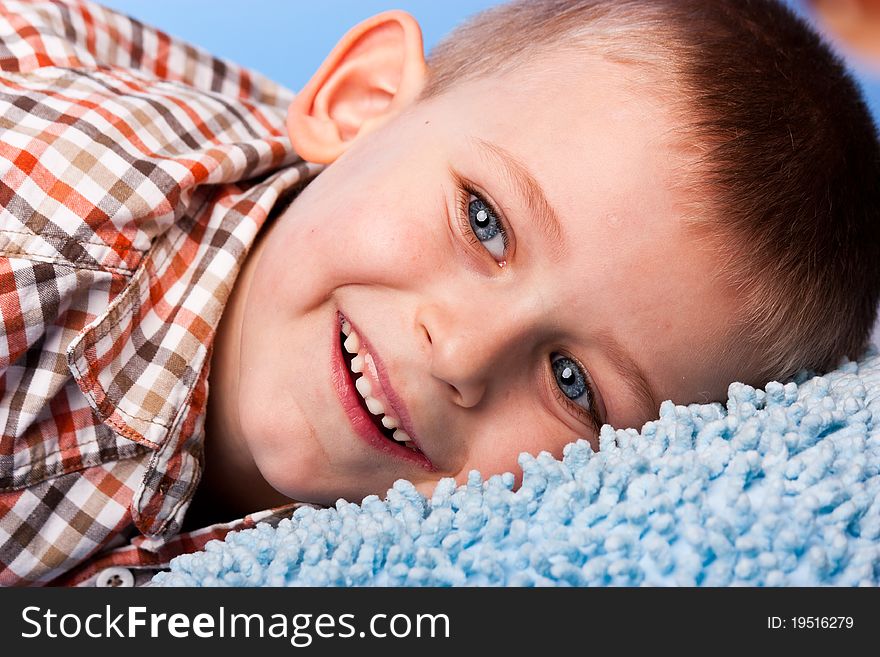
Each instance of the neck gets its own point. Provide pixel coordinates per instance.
(232, 485)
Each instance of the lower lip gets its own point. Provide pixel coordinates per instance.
(360, 420)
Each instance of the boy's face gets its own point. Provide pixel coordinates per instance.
(400, 236)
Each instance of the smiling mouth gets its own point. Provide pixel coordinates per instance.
(357, 358)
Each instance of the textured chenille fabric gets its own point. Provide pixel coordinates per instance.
(135, 172)
(776, 487)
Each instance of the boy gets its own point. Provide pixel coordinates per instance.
(575, 211)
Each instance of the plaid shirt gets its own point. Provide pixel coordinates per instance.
(135, 172)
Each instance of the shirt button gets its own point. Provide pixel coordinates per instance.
(114, 576)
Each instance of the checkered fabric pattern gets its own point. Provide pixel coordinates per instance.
(135, 172)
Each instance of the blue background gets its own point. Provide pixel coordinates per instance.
(285, 39)
(288, 39)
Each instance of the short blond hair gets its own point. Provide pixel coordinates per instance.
(789, 165)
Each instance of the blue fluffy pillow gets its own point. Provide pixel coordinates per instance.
(779, 487)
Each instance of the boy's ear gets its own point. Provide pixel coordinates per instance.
(377, 69)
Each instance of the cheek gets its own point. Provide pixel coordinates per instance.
(360, 231)
(276, 399)
(521, 427)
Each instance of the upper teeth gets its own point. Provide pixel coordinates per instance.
(361, 359)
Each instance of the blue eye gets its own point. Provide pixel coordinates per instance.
(569, 377)
(574, 384)
(487, 227)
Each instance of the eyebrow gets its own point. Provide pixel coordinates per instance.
(524, 183)
(631, 373)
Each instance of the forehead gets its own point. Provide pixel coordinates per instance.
(585, 125)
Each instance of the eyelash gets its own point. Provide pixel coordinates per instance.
(591, 414)
(465, 191)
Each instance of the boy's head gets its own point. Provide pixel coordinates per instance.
(575, 211)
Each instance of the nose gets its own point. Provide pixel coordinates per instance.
(472, 345)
